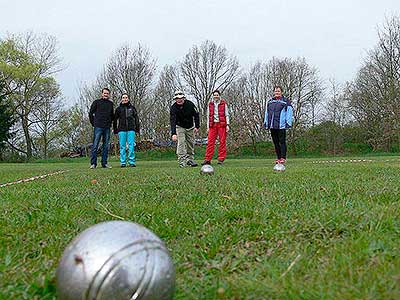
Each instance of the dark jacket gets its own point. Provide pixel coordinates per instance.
(126, 118)
(101, 113)
(183, 116)
(278, 114)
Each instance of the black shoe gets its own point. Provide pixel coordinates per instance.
(123, 166)
(133, 166)
(192, 163)
(220, 162)
(206, 162)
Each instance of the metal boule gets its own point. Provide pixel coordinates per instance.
(116, 260)
(279, 168)
(207, 170)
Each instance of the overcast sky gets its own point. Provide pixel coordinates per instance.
(333, 36)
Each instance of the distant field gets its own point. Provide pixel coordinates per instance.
(316, 231)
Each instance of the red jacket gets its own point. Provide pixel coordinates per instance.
(221, 113)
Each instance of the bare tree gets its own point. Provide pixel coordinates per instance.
(46, 117)
(375, 93)
(169, 81)
(337, 106)
(300, 83)
(316, 102)
(303, 87)
(336, 114)
(128, 71)
(88, 93)
(131, 71)
(72, 129)
(205, 68)
(246, 123)
(249, 94)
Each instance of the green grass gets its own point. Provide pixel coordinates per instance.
(232, 235)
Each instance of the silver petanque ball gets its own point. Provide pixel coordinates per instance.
(116, 260)
(279, 168)
(207, 170)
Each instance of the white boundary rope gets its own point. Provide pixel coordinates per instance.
(30, 179)
(339, 161)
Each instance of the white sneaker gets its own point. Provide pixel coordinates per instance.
(106, 167)
(93, 166)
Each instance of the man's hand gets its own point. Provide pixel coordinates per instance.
(196, 130)
(174, 138)
(227, 128)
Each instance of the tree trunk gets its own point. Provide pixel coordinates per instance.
(45, 146)
(28, 139)
(253, 141)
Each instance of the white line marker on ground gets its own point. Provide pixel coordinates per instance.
(30, 179)
(339, 161)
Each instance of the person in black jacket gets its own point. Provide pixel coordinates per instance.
(101, 114)
(126, 125)
(182, 114)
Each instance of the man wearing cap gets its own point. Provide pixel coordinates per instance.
(185, 122)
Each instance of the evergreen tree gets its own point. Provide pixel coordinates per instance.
(6, 118)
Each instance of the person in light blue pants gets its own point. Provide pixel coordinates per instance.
(126, 125)
(127, 137)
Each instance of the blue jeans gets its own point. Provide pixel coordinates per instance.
(127, 136)
(98, 133)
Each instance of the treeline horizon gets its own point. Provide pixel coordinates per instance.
(329, 117)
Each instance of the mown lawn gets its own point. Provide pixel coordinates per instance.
(316, 231)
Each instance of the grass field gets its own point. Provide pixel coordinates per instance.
(316, 231)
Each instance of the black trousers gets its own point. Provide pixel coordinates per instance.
(279, 139)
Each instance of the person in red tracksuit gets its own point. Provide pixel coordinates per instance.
(217, 126)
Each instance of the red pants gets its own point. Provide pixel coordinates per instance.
(213, 133)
